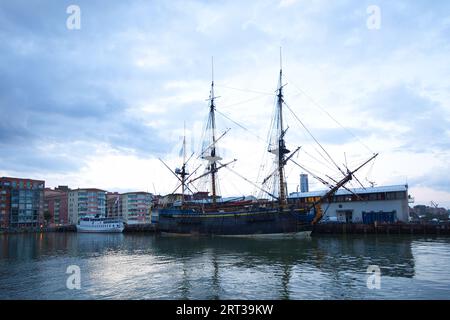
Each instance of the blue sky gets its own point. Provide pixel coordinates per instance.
(96, 107)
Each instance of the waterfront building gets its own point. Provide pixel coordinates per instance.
(63, 188)
(132, 207)
(426, 213)
(56, 205)
(170, 199)
(381, 204)
(21, 202)
(174, 198)
(114, 205)
(86, 203)
(136, 207)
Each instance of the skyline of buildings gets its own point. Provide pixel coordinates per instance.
(27, 202)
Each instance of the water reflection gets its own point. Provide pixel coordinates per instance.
(393, 254)
(154, 267)
(334, 256)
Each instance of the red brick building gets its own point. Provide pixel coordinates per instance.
(56, 205)
(5, 205)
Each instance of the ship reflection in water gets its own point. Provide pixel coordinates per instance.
(124, 266)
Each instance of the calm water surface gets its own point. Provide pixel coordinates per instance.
(124, 266)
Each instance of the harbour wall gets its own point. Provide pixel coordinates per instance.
(320, 229)
(376, 228)
(150, 228)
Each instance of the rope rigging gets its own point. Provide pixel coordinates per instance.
(246, 90)
(275, 177)
(312, 136)
(330, 116)
(239, 125)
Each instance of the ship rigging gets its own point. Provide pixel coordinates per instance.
(263, 216)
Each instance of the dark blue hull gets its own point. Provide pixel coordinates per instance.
(260, 221)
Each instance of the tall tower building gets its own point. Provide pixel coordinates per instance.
(304, 187)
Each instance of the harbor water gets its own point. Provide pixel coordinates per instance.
(144, 266)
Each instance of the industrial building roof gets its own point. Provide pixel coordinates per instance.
(343, 192)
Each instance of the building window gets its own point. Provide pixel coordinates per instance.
(373, 196)
(390, 196)
(401, 195)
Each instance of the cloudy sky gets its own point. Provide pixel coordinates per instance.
(97, 106)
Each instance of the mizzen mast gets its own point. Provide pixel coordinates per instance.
(183, 173)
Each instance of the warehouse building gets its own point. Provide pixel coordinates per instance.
(361, 205)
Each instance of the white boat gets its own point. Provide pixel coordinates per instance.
(100, 225)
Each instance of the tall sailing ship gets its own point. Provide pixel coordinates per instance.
(272, 217)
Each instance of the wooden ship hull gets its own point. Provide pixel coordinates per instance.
(260, 221)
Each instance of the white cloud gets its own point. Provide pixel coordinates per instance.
(287, 3)
(150, 58)
(156, 61)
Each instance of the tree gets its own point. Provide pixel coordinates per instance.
(47, 216)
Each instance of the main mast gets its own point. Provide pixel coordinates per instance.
(213, 165)
(212, 157)
(282, 151)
